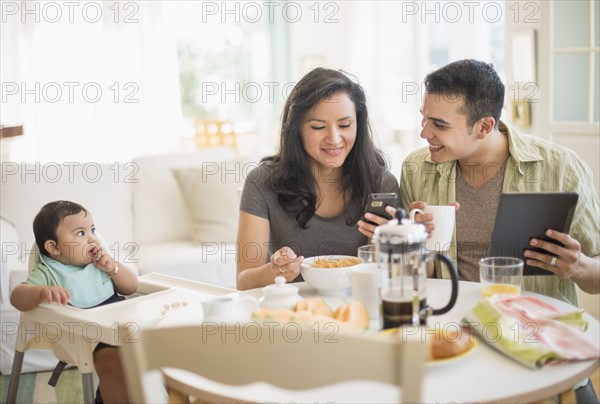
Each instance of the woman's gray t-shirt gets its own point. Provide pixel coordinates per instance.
(323, 236)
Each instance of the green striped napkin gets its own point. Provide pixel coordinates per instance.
(532, 331)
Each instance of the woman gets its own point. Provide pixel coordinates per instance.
(306, 200)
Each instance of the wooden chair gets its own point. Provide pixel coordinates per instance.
(235, 355)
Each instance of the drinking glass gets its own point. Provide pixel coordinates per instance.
(367, 253)
(500, 275)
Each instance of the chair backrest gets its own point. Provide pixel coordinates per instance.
(34, 258)
(243, 354)
(10, 256)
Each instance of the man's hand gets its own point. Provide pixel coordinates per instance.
(562, 261)
(427, 218)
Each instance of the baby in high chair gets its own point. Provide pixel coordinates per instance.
(75, 269)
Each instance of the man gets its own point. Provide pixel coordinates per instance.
(473, 157)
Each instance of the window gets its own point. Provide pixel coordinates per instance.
(575, 62)
(224, 60)
(465, 30)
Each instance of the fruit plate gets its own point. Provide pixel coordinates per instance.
(438, 362)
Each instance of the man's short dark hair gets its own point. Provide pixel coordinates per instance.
(476, 82)
(49, 217)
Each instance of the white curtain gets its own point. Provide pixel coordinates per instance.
(100, 83)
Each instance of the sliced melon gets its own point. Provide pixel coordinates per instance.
(315, 303)
(324, 311)
(309, 311)
(342, 313)
(354, 314)
(302, 305)
(359, 315)
(303, 316)
(260, 314)
(281, 315)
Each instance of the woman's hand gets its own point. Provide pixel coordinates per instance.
(367, 228)
(284, 262)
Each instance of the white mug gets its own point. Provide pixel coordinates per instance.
(443, 219)
(365, 281)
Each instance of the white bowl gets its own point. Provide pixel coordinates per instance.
(327, 281)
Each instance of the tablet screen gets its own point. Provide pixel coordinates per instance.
(522, 216)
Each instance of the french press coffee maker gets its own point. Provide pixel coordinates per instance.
(402, 257)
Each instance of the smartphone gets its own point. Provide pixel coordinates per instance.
(376, 204)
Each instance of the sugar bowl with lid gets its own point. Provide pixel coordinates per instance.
(279, 295)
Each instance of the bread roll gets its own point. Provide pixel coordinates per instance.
(444, 344)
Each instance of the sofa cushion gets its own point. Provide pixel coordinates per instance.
(211, 201)
(213, 263)
(159, 211)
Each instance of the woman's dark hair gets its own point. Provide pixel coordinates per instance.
(49, 217)
(476, 82)
(290, 174)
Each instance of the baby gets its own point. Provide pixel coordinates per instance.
(76, 270)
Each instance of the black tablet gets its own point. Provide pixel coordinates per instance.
(522, 216)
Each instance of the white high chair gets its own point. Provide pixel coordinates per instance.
(34, 333)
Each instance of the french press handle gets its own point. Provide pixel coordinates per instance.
(453, 279)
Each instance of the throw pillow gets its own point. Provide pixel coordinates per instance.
(210, 194)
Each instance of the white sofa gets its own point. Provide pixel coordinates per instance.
(138, 207)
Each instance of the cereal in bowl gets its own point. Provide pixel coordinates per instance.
(335, 262)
